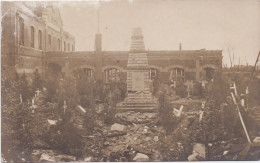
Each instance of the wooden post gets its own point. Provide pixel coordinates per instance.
(21, 99)
(240, 116)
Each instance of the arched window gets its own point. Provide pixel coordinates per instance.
(88, 72)
(21, 31)
(59, 48)
(177, 74)
(112, 74)
(32, 36)
(73, 48)
(49, 39)
(64, 46)
(152, 73)
(68, 46)
(40, 39)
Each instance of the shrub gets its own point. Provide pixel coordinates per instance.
(181, 91)
(165, 114)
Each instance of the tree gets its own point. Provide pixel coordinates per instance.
(37, 81)
(15, 138)
(66, 137)
(67, 92)
(166, 118)
(23, 88)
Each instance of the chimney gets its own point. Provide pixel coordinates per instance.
(180, 47)
(98, 42)
(98, 37)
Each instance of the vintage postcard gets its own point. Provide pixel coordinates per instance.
(130, 80)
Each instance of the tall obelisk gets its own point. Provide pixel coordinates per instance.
(139, 95)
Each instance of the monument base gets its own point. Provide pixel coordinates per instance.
(139, 102)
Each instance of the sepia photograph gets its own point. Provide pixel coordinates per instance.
(130, 80)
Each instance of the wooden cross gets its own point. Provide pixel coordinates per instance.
(64, 106)
(234, 88)
(201, 115)
(203, 104)
(21, 99)
(32, 101)
(240, 116)
(177, 112)
(38, 92)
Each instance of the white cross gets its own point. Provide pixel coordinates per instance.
(64, 106)
(242, 102)
(38, 92)
(203, 84)
(203, 104)
(21, 99)
(247, 92)
(177, 112)
(32, 101)
(201, 115)
(235, 88)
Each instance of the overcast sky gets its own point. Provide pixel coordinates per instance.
(209, 24)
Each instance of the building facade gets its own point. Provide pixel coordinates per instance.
(33, 38)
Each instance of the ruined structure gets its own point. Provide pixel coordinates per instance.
(33, 38)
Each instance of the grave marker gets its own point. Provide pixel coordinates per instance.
(234, 88)
(64, 106)
(38, 92)
(240, 116)
(21, 99)
(201, 115)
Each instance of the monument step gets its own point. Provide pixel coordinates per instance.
(145, 109)
(137, 105)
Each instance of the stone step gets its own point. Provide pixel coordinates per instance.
(137, 105)
(145, 109)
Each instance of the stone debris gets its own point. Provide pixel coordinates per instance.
(135, 117)
(256, 140)
(141, 157)
(117, 127)
(193, 157)
(52, 122)
(200, 150)
(225, 153)
(156, 138)
(65, 158)
(47, 158)
(88, 159)
(135, 137)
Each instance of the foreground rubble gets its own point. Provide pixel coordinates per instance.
(136, 136)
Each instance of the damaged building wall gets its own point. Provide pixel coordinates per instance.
(33, 38)
(25, 30)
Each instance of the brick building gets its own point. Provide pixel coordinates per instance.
(33, 38)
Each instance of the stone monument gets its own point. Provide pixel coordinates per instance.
(139, 96)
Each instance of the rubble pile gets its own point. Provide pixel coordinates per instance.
(135, 117)
(136, 136)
